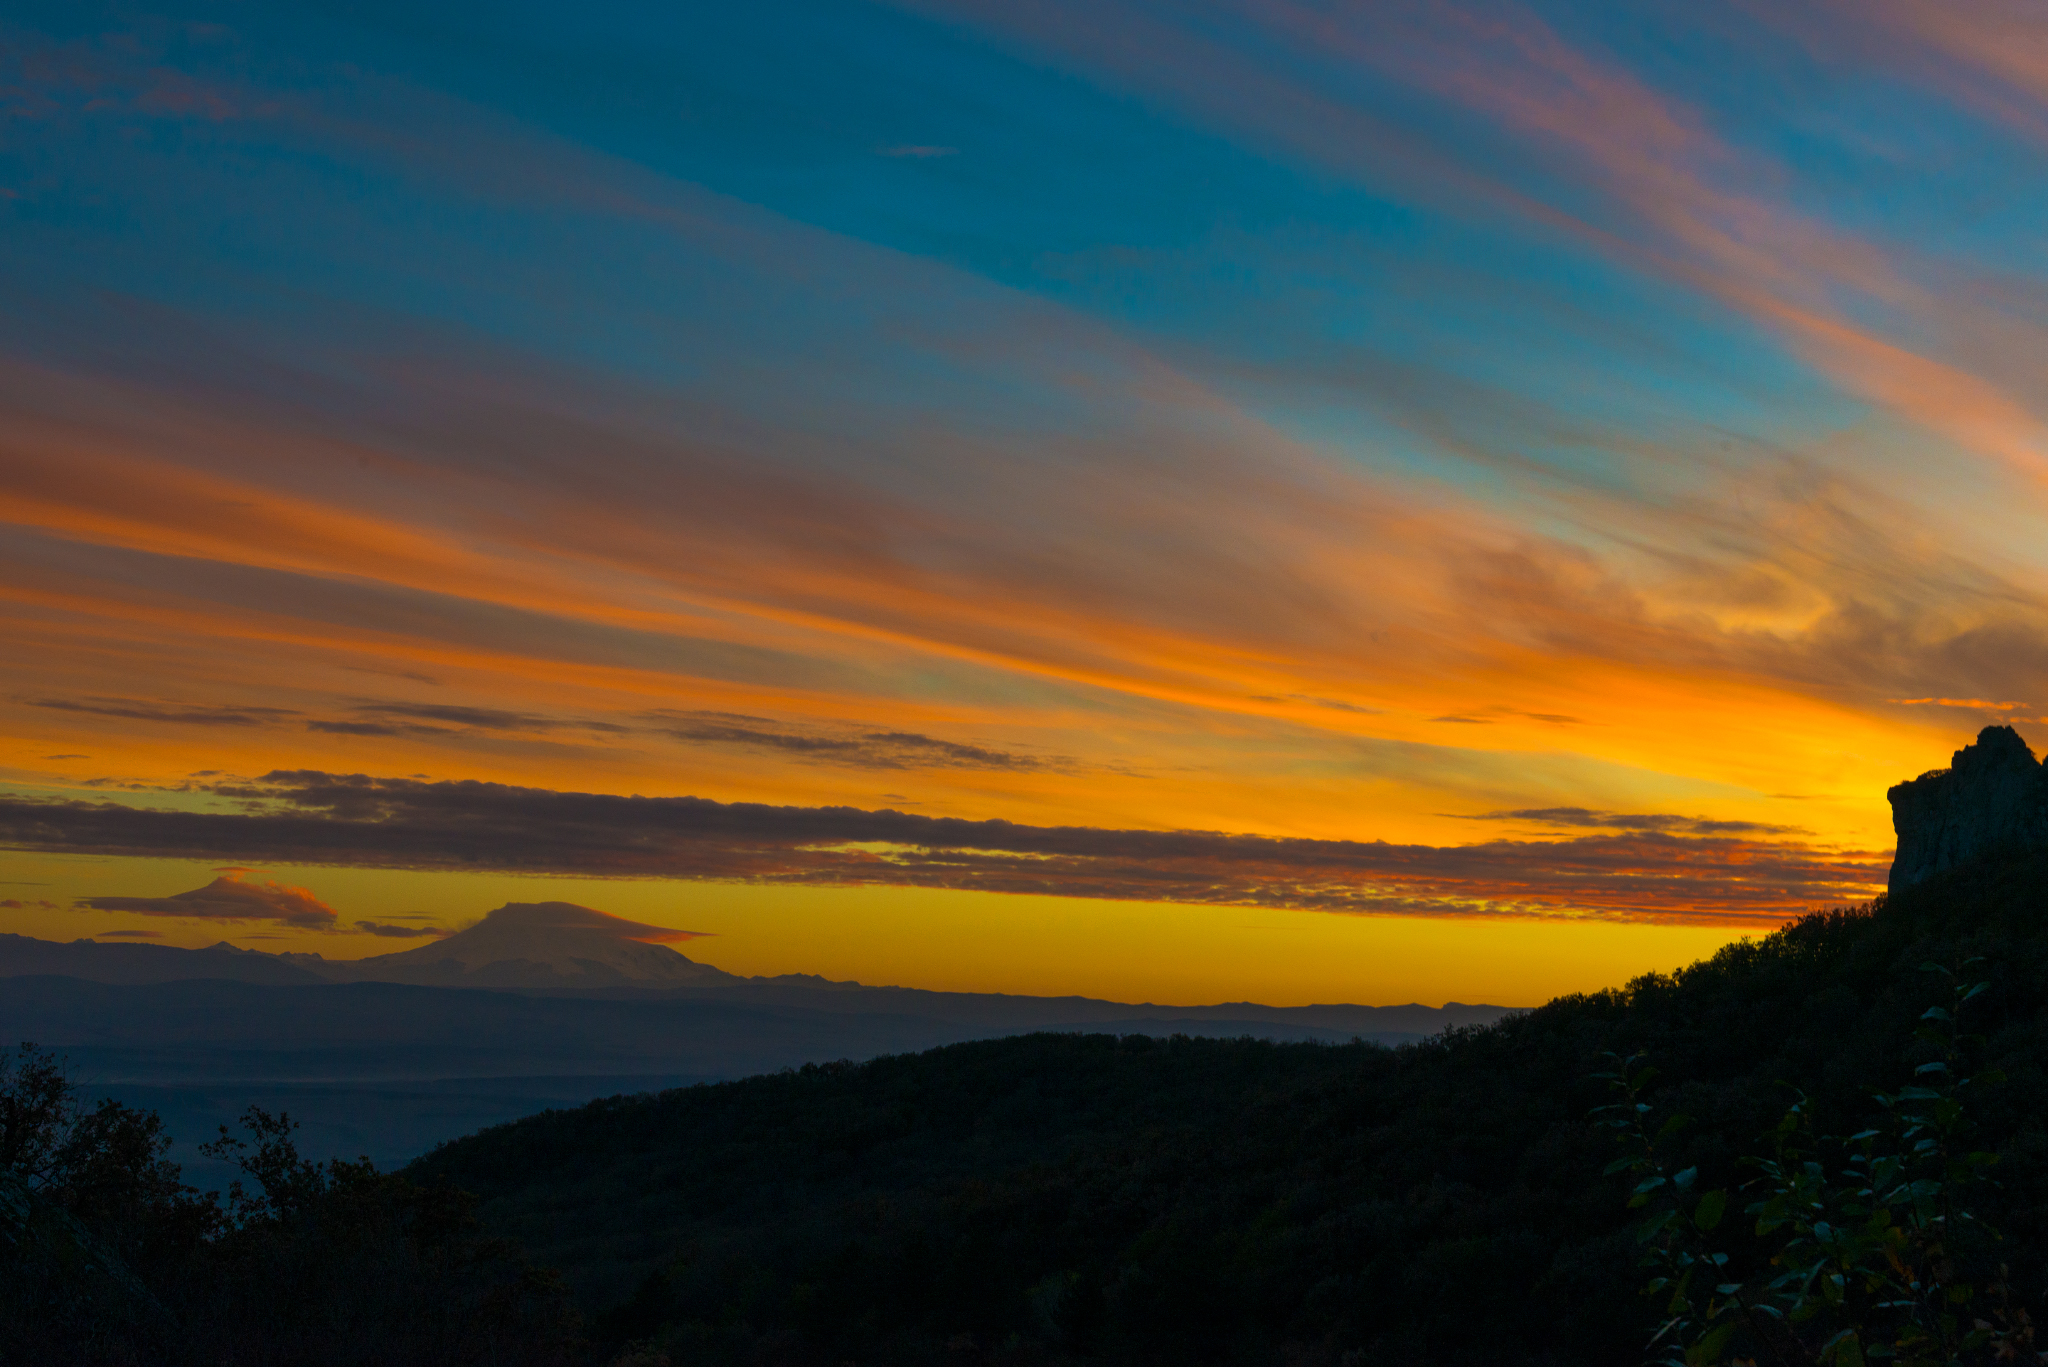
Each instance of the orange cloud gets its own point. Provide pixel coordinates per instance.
(1977, 704)
(1213, 596)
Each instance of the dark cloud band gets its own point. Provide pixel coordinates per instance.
(129, 709)
(319, 818)
(1633, 821)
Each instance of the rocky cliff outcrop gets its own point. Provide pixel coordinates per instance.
(1992, 799)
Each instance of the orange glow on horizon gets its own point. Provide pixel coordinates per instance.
(967, 942)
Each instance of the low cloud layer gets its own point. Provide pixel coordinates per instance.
(231, 898)
(1642, 872)
(1633, 821)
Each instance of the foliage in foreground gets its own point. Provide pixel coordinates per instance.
(106, 1257)
(1864, 1246)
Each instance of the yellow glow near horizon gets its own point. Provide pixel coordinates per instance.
(939, 940)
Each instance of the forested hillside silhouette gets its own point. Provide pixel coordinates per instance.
(1094, 1199)
(1067, 1199)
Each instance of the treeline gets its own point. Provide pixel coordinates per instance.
(107, 1257)
(1065, 1199)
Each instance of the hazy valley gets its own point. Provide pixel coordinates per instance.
(537, 1005)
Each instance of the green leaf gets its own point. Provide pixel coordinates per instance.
(1708, 1349)
(1935, 1067)
(1935, 1013)
(1711, 1207)
(1684, 1178)
(1619, 1165)
(1843, 1350)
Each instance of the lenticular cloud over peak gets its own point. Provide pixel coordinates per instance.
(230, 898)
(516, 917)
(529, 944)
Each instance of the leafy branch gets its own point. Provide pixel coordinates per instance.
(1872, 1257)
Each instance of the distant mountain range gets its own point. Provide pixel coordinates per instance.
(537, 1005)
(560, 949)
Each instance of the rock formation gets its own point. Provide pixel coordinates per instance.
(1992, 799)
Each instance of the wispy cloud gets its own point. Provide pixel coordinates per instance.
(131, 710)
(1589, 149)
(1990, 56)
(861, 749)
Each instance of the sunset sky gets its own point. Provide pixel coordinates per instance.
(1169, 501)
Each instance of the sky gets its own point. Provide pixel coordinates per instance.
(1174, 501)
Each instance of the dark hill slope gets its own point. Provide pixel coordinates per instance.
(1094, 1199)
